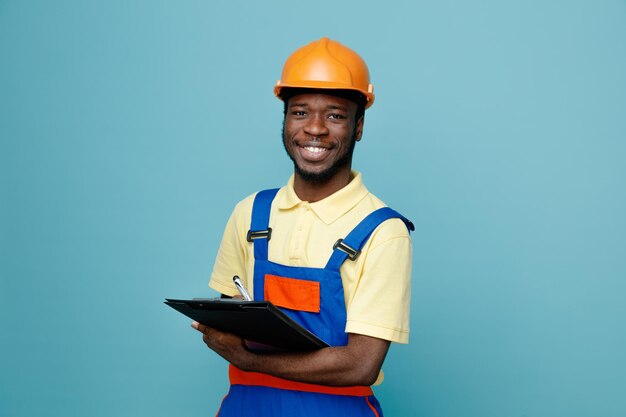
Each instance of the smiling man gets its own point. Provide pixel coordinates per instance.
(323, 249)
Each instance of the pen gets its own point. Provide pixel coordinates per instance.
(242, 290)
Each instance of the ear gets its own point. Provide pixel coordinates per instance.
(359, 129)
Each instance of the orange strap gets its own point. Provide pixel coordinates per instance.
(239, 377)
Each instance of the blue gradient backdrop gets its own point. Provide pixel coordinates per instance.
(129, 129)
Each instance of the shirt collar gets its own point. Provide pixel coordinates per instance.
(332, 207)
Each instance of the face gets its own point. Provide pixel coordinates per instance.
(319, 135)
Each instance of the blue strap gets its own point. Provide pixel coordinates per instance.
(359, 235)
(261, 220)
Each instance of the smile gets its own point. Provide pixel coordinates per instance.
(315, 149)
(312, 153)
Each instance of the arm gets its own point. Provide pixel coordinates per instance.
(357, 363)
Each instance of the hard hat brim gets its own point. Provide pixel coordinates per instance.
(325, 85)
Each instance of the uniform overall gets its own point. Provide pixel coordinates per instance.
(314, 298)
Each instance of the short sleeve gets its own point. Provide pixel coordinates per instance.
(232, 255)
(380, 306)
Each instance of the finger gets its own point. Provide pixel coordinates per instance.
(200, 327)
(205, 329)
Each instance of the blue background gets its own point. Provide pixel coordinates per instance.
(129, 129)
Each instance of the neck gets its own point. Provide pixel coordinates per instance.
(315, 191)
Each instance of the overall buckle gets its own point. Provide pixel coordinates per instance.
(352, 253)
(259, 234)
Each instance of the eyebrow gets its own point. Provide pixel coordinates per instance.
(337, 107)
(330, 107)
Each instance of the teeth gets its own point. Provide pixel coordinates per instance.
(314, 149)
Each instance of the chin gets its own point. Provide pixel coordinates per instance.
(317, 177)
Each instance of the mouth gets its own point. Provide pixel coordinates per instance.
(313, 153)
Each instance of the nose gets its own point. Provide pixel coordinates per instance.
(316, 126)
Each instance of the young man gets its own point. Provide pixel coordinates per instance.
(323, 249)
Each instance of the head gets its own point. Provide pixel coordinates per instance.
(320, 130)
(325, 87)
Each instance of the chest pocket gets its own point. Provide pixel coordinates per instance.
(292, 293)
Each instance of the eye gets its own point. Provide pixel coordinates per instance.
(336, 116)
(298, 113)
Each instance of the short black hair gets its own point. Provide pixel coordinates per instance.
(356, 97)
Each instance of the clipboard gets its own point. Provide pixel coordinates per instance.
(256, 321)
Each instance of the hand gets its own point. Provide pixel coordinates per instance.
(229, 346)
